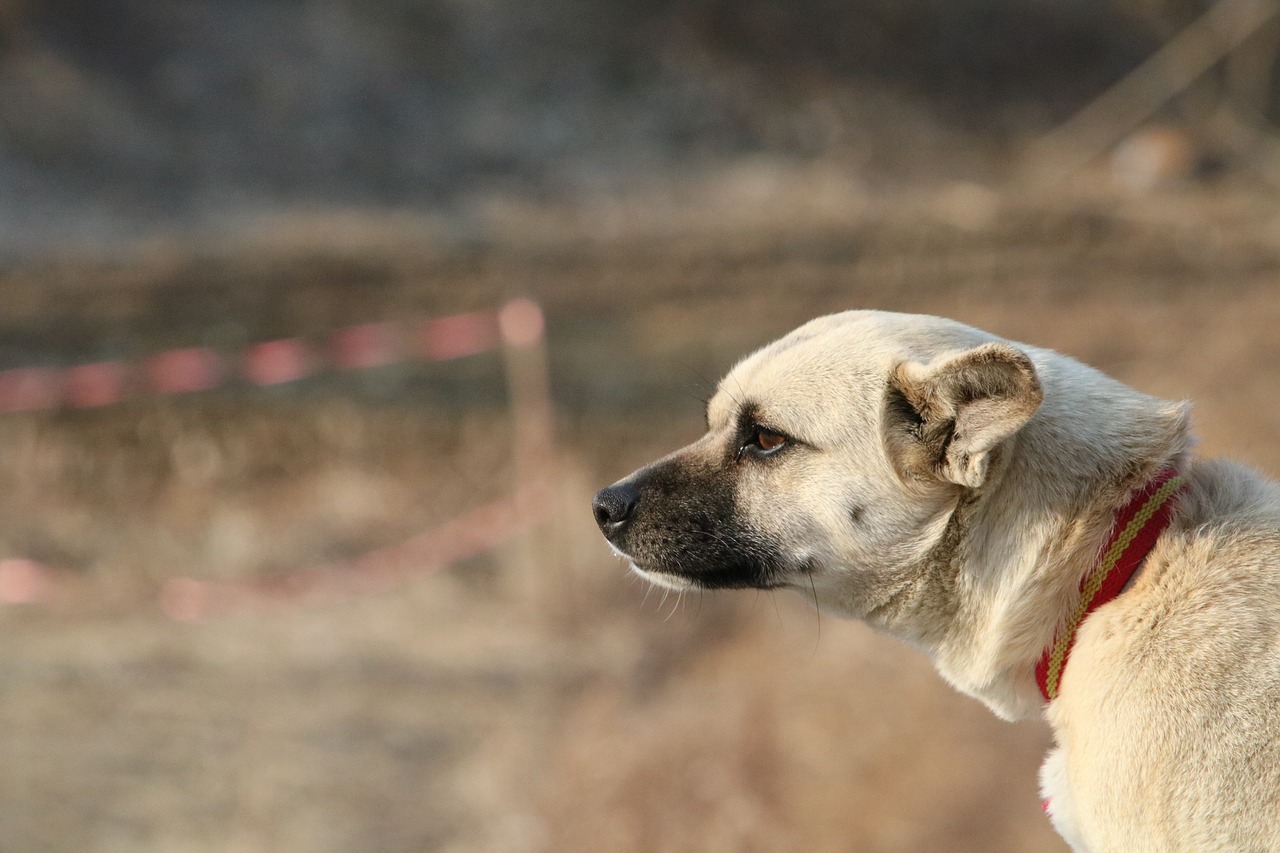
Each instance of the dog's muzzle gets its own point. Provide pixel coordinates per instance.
(677, 524)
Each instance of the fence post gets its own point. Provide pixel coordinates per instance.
(522, 327)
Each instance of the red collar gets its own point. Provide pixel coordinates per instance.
(1134, 532)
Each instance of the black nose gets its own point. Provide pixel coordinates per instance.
(614, 507)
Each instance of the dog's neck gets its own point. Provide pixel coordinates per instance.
(1134, 531)
(1035, 532)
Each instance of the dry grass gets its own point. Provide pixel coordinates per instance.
(534, 699)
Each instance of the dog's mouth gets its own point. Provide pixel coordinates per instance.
(678, 583)
(657, 577)
(733, 574)
(684, 583)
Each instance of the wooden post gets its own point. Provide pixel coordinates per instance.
(524, 351)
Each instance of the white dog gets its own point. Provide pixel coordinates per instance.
(1036, 527)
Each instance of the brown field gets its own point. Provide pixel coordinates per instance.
(535, 698)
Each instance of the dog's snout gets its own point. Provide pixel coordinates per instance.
(614, 507)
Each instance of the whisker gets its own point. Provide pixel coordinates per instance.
(676, 606)
(773, 596)
(740, 400)
(706, 386)
(818, 610)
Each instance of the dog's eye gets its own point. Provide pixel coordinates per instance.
(768, 440)
(762, 441)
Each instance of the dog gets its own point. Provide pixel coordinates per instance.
(1039, 529)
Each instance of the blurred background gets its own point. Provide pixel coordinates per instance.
(322, 320)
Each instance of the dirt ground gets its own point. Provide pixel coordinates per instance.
(535, 698)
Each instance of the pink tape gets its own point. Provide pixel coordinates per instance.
(23, 581)
(182, 371)
(23, 389)
(277, 362)
(461, 335)
(364, 346)
(185, 600)
(358, 347)
(95, 384)
(472, 533)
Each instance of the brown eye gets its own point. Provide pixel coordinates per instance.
(760, 442)
(767, 440)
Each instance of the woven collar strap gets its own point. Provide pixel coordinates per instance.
(1133, 534)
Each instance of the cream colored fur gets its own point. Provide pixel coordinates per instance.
(952, 489)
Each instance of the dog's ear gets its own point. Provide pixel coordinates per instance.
(945, 418)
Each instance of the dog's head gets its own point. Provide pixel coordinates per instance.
(832, 462)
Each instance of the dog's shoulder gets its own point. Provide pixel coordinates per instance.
(1178, 679)
(1212, 582)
